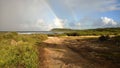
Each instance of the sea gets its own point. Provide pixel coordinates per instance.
(38, 32)
(34, 32)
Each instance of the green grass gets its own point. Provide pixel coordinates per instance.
(24, 56)
(22, 53)
(99, 31)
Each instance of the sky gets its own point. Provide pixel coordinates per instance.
(44, 15)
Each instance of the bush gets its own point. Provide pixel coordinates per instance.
(107, 37)
(73, 34)
(104, 38)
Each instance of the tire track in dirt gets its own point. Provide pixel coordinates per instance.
(58, 55)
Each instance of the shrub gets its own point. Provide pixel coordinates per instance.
(60, 35)
(107, 37)
(73, 34)
(104, 38)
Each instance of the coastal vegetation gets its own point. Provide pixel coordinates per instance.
(98, 31)
(27, 50)
(19, 51)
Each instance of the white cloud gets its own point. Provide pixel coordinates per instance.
(23, 14)
(39, 25)
(42, 25)
(40, 22)
(108, 21)
(75, 25)
(78, 24)
(105, 22)
(59, 23)
(43, 15)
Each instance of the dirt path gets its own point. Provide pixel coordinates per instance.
(58, 55)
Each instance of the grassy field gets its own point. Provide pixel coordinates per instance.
(25, 50)
(19, 51)
(93, 32)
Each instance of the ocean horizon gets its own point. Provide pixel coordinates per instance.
(34, 32)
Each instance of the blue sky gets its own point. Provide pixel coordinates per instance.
(43, 15)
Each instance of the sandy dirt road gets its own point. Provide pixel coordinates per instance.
(58, 55)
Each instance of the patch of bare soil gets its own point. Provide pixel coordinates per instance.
(67, 53)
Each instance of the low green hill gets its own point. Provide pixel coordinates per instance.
(98, 31)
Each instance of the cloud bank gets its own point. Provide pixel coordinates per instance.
(24, 14)
(41, 15)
